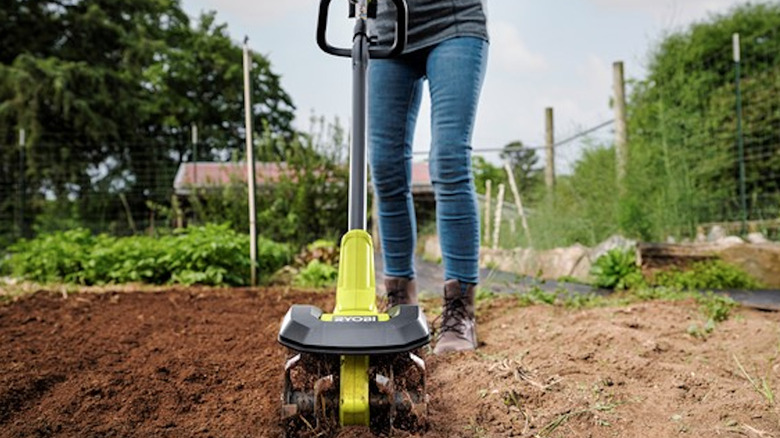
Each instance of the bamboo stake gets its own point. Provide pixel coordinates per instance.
(518, 202)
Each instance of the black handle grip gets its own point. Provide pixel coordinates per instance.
(399, 44)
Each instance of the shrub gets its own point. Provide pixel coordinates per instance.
(317, 274)
(711, 274)
(210, 255)
(50, 257)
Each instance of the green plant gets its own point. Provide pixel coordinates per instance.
(583, 301)
(763, 388)
(716, 308)
(617, 269)
(484, 294)
(50, 257)
(547, 430)
(536, 296)
(211, 255)
(707, 275)
(316, 274)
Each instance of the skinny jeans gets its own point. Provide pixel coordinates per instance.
(455, 71)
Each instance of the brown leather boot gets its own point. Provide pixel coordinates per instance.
(458, 330)
(399, 291)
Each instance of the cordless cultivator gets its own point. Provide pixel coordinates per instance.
(357, 365)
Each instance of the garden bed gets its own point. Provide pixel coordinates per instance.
(196, 362)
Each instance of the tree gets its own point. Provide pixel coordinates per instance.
(107, 92)
(683, 159)
(485, 171)
(524, 163)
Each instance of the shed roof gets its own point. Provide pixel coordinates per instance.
(209, 174)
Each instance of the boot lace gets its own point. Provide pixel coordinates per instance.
(395, 295)
(454, 317)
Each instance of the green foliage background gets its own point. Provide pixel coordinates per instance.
(107, 93)
(683, 168)
(210, 255)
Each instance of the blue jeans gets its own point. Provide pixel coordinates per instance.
(455, 70)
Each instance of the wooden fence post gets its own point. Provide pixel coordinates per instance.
(549, 169)
(250, 164)
(621, 125)
(499, 211)
(488, 194)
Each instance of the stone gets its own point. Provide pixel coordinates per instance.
(613, 242)
(716, 233)
(757, 238)
(729, 241)
(762, 261)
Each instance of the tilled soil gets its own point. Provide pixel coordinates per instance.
(205, 362)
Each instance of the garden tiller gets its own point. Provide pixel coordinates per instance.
(356, 366)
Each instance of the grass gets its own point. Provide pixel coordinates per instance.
(715, 308)
(547, 430)
(761, 386)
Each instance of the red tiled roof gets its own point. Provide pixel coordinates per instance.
(420, 174)
(211, 174)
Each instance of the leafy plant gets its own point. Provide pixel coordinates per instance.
(50, 257)
(536, 296)
(617, 269)
(582, 301)
(211, 255)
(484, 294)
(316, 274)
(707, 275)
(716, 308)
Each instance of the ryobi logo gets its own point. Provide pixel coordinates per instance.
(355, 319)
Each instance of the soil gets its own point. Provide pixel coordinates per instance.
(205, 362)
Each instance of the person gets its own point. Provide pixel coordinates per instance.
(447, 45)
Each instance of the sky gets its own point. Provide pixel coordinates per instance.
(543, 53)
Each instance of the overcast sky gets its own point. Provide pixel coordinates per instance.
(543, 53)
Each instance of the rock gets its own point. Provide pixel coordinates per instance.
(550, 264)
(757, 238)
(614, 242)
(716, 233)
(762, 261)
(729, 241)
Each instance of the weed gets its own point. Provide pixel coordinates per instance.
(716, 308)
(661, 293)
(701, 332)
(762, 387)
(477, 430)
(570, 279)
(484, 294)
(583, 301)
(491, 357)
(536, 296)
(563, 418)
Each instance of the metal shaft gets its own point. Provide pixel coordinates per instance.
(357, 155)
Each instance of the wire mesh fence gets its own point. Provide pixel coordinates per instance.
(704, 148)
